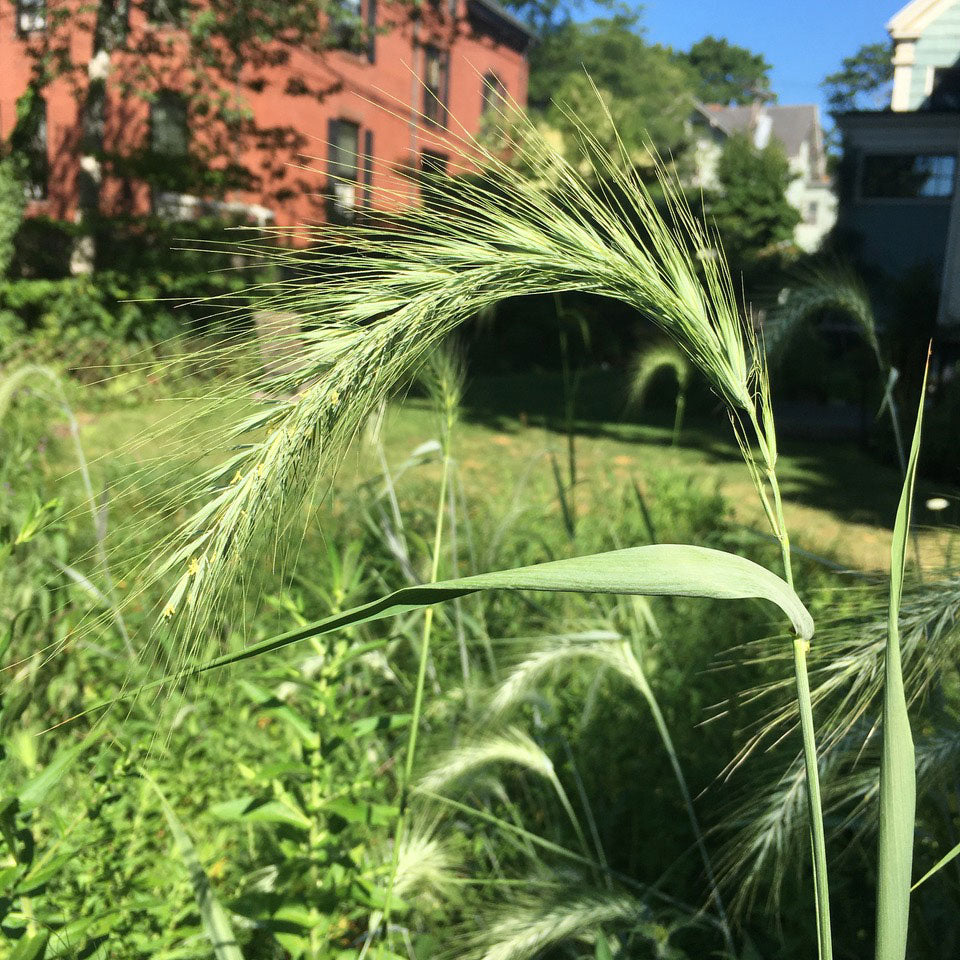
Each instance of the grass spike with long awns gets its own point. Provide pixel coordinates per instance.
(382, 298)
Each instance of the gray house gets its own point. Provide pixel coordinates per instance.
(798, 131)
(898, 182)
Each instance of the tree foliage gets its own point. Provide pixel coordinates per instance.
(647, 94)
(751, 210)
(726, 73)
(862, 80)
(11, 209)
(546, 15)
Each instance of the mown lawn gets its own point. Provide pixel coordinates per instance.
(513, 444)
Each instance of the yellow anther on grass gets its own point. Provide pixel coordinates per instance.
(194, 567)
(236, 477)
(333, 396)
(260, 469)
(168, 611)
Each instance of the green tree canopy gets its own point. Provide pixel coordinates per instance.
(648, 94)
(726, 73)
(545, 15)
(862, 80)
(751, 210)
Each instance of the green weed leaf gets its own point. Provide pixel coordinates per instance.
(656, 570)
(898, 782)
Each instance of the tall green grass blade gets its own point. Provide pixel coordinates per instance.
(566, 505)
(34, 791)
(818, 842)
(212, 915)
(898, 784)
(663, 569)
(938, 866)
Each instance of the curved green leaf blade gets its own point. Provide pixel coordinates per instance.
(938, 866)
(662, 569)
(898, 784)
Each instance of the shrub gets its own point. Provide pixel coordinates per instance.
(11, 211)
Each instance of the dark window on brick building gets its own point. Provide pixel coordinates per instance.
(343, 168)
(31, 15)
(367, 168)
(166, 12)
(432, 163)
(346, 25)
(35, 152)
(169, 133)
(493, 93)
(436, 85)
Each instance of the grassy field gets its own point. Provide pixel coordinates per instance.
(840, 499)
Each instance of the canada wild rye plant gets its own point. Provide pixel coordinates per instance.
(379, 302)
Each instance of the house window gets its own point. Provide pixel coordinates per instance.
(371, 30)
(346, 25)
(435, 85)
(169, 135)
(116, 21)
(343, 167)
(367, 168)
(432, 163)
(493, 94)
(35, 153)
(165, 12)
(907, 176)
(31, 15)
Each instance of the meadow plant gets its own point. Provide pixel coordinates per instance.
(834, 291)
(649, 364)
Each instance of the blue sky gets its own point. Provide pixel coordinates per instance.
(804, 40)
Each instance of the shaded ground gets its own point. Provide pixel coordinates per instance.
(841, 499)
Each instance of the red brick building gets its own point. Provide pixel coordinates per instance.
(328, 131)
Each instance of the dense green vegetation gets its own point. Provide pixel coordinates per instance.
(115, 868)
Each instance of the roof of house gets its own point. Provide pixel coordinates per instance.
(493, 9)
(910, 21)
(791, 125)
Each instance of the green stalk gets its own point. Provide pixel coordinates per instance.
(818, 839)
(681, 404)
(805, 705)
(571, 813)
(407, 772)
(664, 731)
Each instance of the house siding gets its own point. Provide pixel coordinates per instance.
(291, 184)
(937, 46)
(894, 236)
